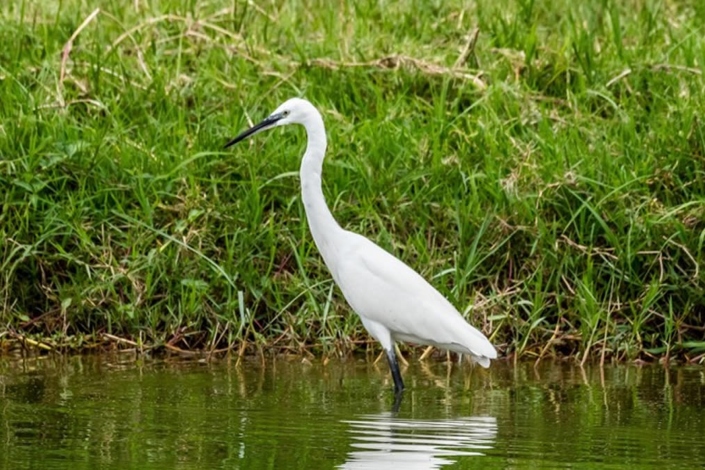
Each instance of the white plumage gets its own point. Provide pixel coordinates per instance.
(393, 301)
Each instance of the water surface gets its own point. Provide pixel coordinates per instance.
(86, 412)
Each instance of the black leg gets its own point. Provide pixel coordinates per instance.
(396, 375)
(397, 402)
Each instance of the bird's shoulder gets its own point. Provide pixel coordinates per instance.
(363, 257)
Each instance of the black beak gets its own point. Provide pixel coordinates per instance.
(266, 124)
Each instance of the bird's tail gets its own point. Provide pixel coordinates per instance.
(484, 361)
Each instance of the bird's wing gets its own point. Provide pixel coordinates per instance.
(381, 288)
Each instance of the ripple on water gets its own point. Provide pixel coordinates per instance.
(383, 441)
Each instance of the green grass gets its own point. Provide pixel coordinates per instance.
(552, 184)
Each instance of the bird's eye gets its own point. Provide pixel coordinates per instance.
(285, 113)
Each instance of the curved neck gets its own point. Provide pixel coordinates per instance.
(323, 226)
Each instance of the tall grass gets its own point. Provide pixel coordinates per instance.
(541, 163)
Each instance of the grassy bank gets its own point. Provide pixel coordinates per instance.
(541, 163)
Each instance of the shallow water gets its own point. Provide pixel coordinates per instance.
(85, 412)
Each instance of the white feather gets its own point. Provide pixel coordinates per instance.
(393, 301)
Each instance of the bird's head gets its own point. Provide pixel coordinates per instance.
(292, 111)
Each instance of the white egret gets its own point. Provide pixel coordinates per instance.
(393, 301)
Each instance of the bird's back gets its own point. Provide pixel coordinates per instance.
(382, 289)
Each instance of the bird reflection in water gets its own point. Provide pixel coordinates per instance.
(384, 441)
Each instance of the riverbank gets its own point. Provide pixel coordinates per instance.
(542, 166)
